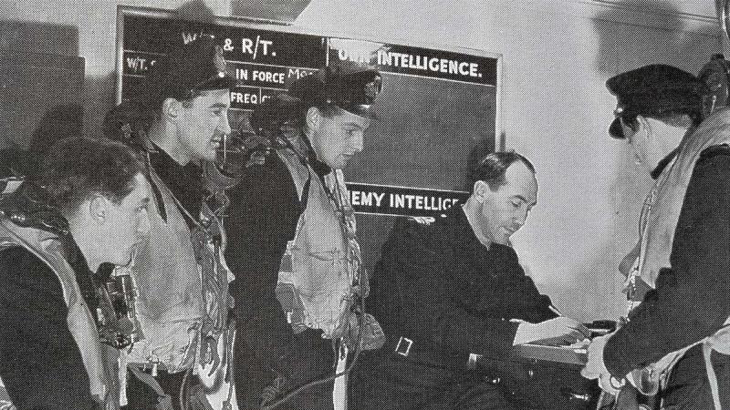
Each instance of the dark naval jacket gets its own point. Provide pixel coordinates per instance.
(439, 286)
(692, 294)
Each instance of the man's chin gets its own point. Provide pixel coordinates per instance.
(207, 155)
(210, 157)
(130, 256)
(125, 261)
(343, 161)
(502, 239)
(336, 164)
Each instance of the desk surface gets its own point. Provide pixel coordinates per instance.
(559, 354)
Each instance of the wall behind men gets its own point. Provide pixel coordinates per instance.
(93, 23)
(555, 110)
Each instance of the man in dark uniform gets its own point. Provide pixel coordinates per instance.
(453, 289)
(678, 334)
(178, 121)
(293, 250)
(93, 210)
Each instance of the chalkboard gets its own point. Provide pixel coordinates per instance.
(437, 113)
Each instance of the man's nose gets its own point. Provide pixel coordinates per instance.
(144, 225)
(224, 127)
(358, 142)
(521, 218)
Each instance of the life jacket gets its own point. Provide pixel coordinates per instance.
(167, 280)
(317, 271)
(181, 281)
(99, 360)
(180, 277)
(658, 223)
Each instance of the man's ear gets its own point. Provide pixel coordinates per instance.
(171, 109)
(99, 209)
(313, 117)
(480, 191)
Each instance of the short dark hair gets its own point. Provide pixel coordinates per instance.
(77, 168)
(492, 168)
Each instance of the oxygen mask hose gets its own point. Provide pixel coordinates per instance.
(358, 348)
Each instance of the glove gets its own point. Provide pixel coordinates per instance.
(595, 368)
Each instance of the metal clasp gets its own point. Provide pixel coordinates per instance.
(403, 352)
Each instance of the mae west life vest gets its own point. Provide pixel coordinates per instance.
(178, 301)
(314, 278)
(658, 223)
(99, 360)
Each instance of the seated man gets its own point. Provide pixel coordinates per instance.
(454, 288)
(93, 210)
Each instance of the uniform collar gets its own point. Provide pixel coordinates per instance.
(319, 167)
(466, 238)
(663, 163)
(462, 230)
(185, 182)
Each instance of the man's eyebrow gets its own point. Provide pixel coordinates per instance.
(523, 199)
(219, 105)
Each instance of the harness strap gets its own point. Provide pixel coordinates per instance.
(720, 346)
(164, 401)
(711, 375)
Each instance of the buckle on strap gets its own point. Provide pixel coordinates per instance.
(403, 351)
